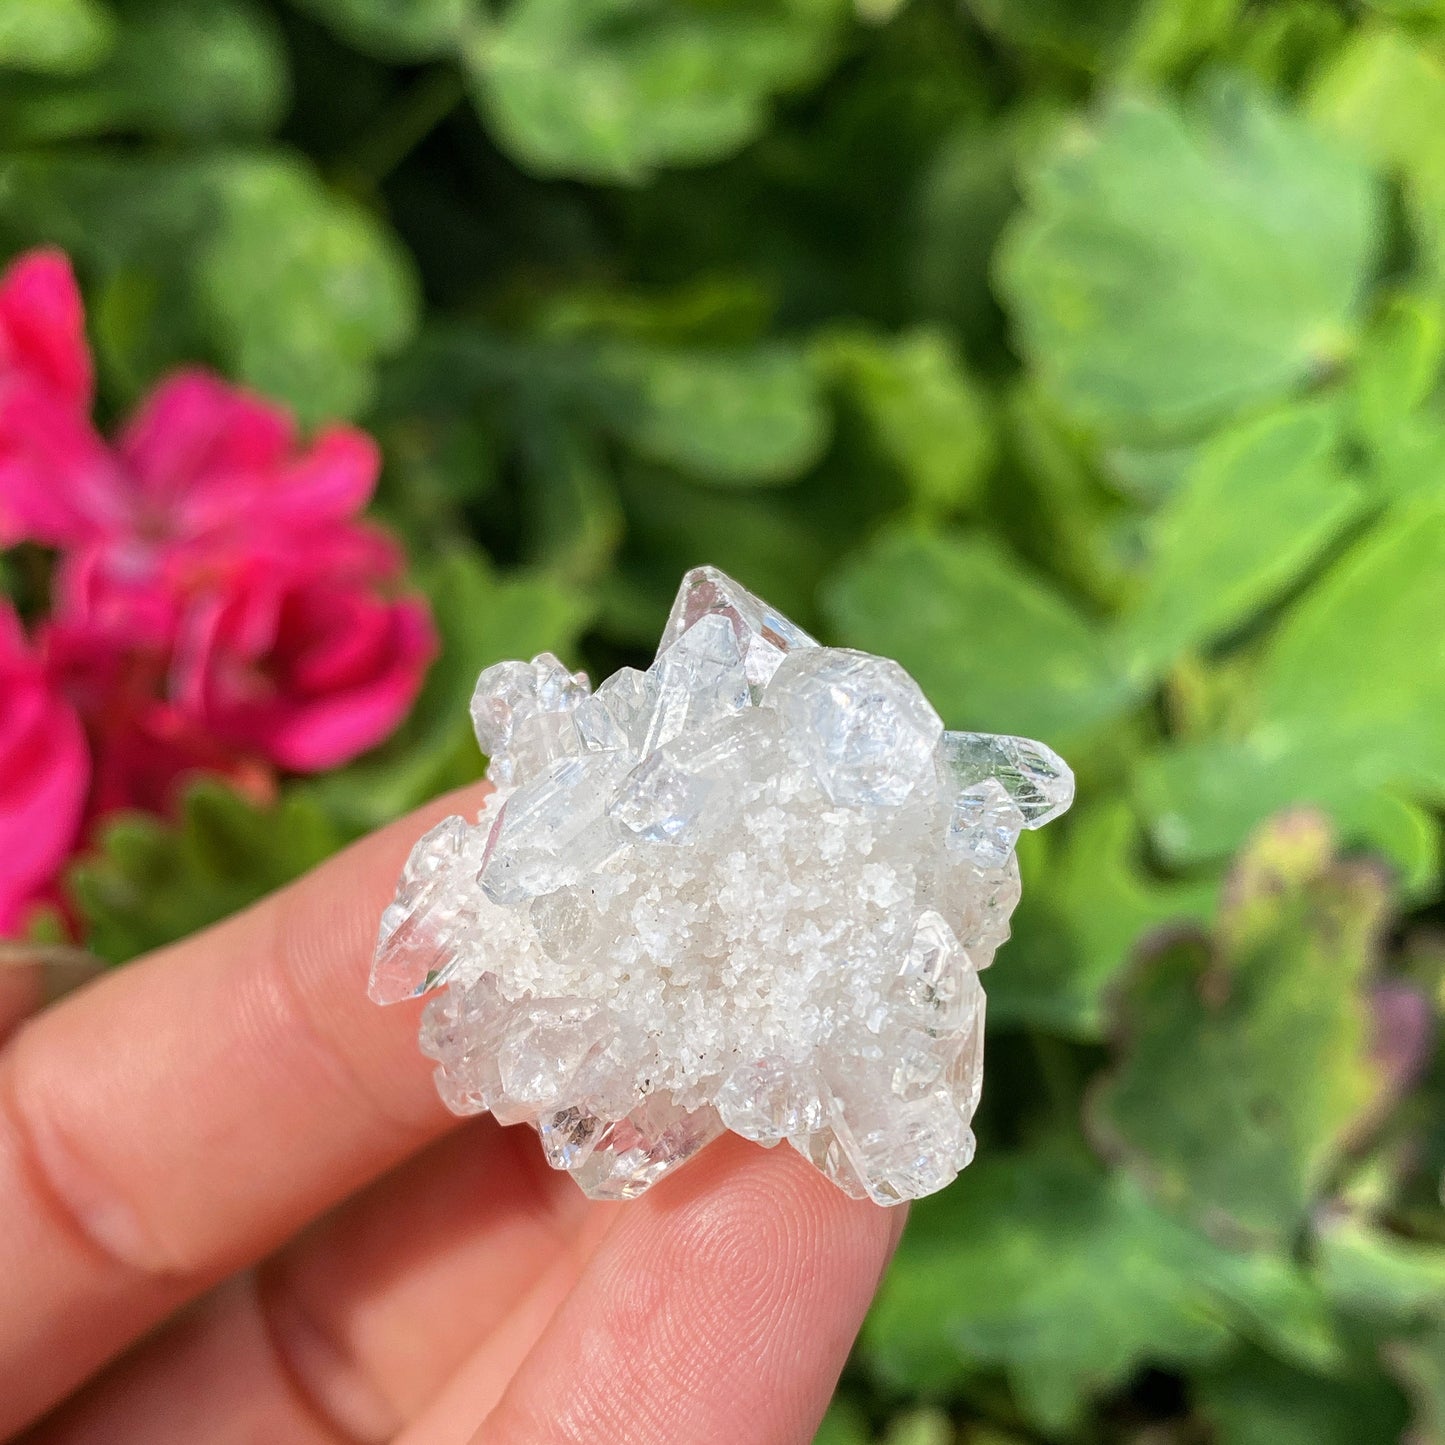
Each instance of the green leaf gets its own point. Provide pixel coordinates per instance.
(1384, 95)
(1082, 32)
(1244, 1061)
(1202, 801)
(991, 644)
(1283, 45)
(415, 30)
(247, 259)
(759, 537)
(920, 1427)
(842, 1425)
(1059, 506)
(1419, 1365)
(1399, 366)
(964, 198)
(1360, 655)
(149, 883)
(1343, 711)
(924, 412)
(1064, 1278)
(1260, 503)
(305, 290)
(1169, 34)
(1088, 905)
(575, 521)
(609, 90)
(54, 37)
(740, 417)
(1409, 9)
(1380, 1277)
(1173, 266)
(182, 68)
(1256, 1400)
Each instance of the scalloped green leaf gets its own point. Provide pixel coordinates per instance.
(304, 288)
(184, 69)
(1068, 1280)
(148, 883)
(1343, 710)
(1259, 504)
(1173, 265)
(742, 416)
(611, 90)
(1244, 1059)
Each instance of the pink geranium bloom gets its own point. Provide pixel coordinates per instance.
(145, 747)
(217, 606)
(302, 657)
(44, 774)
(201, 459)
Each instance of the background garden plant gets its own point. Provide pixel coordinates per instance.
(1086, 357)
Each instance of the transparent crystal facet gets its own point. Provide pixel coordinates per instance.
(510, 694)
(634, 1153)
(749, 888)
(985, 823)
(862, 721)
(1038, 780)
(763, 633)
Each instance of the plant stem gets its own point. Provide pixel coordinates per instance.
(405, 124)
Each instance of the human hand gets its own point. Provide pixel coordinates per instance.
(235, 1211)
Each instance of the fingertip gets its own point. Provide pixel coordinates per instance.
(720, 1306)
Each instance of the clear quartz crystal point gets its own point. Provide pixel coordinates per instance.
(521, 712)
(1038, 780)
(764, 634)
(750, 888)
(635, 1152)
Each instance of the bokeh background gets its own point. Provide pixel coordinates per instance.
(1085, 355)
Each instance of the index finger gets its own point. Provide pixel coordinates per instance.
(180, 1117)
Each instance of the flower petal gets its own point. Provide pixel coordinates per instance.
(42, 328)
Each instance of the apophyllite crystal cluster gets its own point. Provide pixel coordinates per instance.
(750, 888)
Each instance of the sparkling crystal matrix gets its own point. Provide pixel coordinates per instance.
(750, 888)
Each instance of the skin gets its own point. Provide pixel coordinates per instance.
(235, 1211)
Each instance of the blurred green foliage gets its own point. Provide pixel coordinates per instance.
(1086, 355)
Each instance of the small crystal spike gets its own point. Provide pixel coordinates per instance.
(751, 888)
(1039, 781)
(765, 635)
(511, 695)
(634, 1153)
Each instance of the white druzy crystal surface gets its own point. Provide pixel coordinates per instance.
(750, 888)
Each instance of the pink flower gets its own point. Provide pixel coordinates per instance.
(144, 746)
(42, 329)
(217, 606)
(201, 460)
(301, 657)
(53, 466)
(44, 774)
